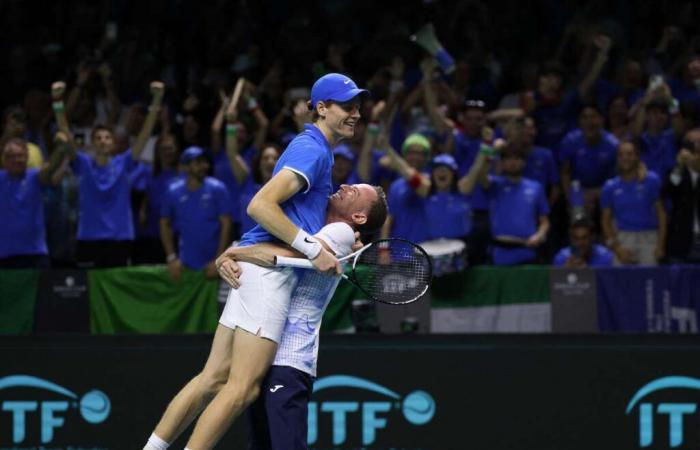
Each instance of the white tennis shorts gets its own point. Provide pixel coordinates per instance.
(261, 305)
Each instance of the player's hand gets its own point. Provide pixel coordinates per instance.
(210, 270)
(175, 269)
(229, 269)
(327, 263)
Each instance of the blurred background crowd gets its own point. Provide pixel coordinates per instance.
(556, 133)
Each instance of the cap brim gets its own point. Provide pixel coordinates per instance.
(349, 94)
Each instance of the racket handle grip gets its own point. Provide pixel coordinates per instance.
(286, 261)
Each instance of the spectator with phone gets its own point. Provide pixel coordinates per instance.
(583, 252)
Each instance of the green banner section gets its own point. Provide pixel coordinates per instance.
(147, 300)
(490, 286)
(18, 290)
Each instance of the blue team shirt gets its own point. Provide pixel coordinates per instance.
(196, 215)
(600, 257)
(591, 165)
(632, 202)
(310, 156)
(659, 152)
(466, 151)
(515, 209)
(222, 172)
(408, 211)
(540, 166)
(21, 215)
(157, 188)
(105, 198)
(555, 120)
(449, 214)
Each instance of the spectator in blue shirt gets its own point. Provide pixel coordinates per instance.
(199, 207)
(588, 155)
(656, 139)
(633, 215)
(406, 218)
(583, 252)
(22, 233)
(518, 208)
(106, 225)
(164, 172)
(447, 208)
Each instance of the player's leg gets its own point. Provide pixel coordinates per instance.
(251, 358)
(197, 393)
(258, 429)
(287, 393)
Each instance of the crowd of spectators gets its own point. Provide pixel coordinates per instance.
(552, 134)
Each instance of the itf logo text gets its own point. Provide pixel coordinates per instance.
(36, 408)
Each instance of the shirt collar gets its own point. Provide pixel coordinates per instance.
(315, 133)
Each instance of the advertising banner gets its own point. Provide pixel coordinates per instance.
(147, 300)
(17, 300)
(649, 299)
(62, 302)
(399, 392)
(492, 300)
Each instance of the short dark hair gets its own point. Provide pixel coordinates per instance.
(99, 127)
(377, 213)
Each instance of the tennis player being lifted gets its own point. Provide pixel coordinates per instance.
(289, 207)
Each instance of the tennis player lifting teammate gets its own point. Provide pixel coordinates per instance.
(288, 208)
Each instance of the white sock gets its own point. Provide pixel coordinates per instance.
(156, 443)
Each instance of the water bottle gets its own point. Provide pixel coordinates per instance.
(576, 201)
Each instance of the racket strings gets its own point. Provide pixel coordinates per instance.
(393, 271)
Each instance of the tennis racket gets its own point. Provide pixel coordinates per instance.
(392, 271)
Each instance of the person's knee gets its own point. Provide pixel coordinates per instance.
(241, 395)
(210, 385)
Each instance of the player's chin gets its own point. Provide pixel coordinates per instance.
(347, 131)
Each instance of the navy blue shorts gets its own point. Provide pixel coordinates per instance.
(278, 419)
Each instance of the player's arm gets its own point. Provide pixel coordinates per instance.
(262, 254)
(265, 209)
(157, 90)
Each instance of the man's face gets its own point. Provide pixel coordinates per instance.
(627, 157)
(529, 131)
(512, 165)
(351, 200)
(443, 177)
(416, 156)
(341, 169)
(14, 159)
(15, 126)
(548, 84)
(591, 122)
(103, 140)
(582, 240)
(198, 168)
(473, 120)
(657, 119)
(341, 118)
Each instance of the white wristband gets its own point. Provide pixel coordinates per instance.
(306, 244)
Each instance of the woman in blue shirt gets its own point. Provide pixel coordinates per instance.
(447, 208)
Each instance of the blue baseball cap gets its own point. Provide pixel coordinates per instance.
(191, 153)
(334, 86)
(445, 160)
(344, 151)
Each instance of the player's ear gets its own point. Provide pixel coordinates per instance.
(359, 218)
(321, 109)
